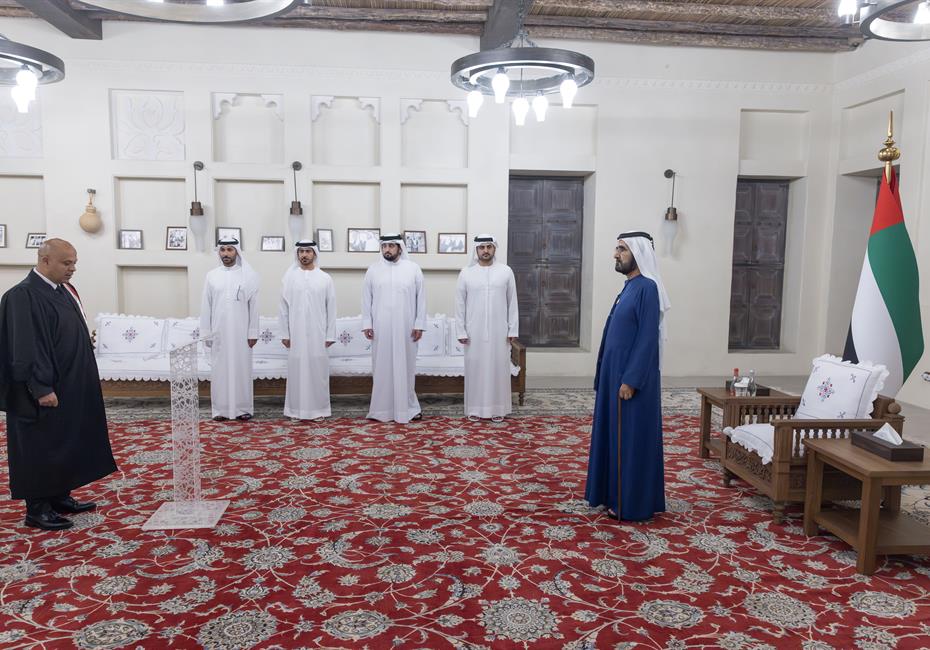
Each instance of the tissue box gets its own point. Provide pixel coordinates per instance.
(906, 451)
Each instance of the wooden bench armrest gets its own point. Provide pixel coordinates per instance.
(786, 442)
(824, 425)
(518, 354)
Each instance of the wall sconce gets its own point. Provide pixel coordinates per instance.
(670, 225)
(90, 221)
(295, 221)
(198, 222)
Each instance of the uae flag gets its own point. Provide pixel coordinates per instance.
(885, 326)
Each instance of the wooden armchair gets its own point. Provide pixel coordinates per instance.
(784, 479)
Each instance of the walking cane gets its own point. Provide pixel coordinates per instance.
(619, 465)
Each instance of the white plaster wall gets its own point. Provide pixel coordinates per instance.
(650, 109)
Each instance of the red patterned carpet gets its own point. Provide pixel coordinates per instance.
(445, 534)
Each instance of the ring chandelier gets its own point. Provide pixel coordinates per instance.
(25, 67)
(873, 18)
(210, 11)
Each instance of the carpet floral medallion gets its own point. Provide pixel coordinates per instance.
(440, 534)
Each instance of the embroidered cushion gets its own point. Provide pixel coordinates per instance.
(350, 342)
(838, 389)
(180, 332)
(433, 342)
(121, 334)
(758, 437)
(269, 339)
(453, 347)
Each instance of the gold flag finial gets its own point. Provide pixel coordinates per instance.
(889, 153)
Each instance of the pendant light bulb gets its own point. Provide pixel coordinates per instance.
(568, 89)
(27, 78)
(520, 108)
(500, 83)
(847, 9)
(922, 17)
(540, 105)
(474, 99)
(21, 97)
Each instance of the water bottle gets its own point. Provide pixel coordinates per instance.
(734, 381)
(751, 388)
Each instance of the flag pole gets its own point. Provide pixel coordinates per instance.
(889, 153)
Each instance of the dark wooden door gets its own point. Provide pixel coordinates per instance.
(761, 222)
(544, 251)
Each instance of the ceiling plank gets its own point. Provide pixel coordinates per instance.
(392, 14)
(469, 29)
(738, 29)
(59, 14)
(505, 18)
(782, 43)
(822, 16)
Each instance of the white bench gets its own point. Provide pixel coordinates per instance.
(132, 356)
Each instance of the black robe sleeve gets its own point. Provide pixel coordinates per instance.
(26, 344)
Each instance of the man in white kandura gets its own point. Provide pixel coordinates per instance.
(308, 327)
(229, 311)
(393, 319)
(487, 320)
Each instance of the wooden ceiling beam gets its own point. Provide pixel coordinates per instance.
(505, 19)
(684, 27)
(782, 43)
(391, 15)
(468, 29)
(824, 16)
(59, 14)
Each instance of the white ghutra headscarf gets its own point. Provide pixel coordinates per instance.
(305, 243)
(250, 279)
(482, 239)
(394, 238)
(643, 249)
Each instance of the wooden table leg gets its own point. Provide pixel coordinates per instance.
(814, 492)
(891, 497)
(704, 442)
(868, 525)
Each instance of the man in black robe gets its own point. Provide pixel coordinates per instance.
(57, 436)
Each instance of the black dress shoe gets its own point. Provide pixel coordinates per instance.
(219, 418)
(70, 504)
(244, 417)
(417, 417)
(48, 520)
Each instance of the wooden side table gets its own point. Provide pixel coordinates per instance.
(732, 406)
(872, 530)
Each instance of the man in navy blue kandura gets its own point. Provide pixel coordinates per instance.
(625, 467)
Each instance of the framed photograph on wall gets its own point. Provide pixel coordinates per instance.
(2, 235)
(130, 239)
(451, 242)
(176, 238)
(324, 240)
(415, 241)
(364, 240)
(35, 239)
(229, 233)
(272, 243)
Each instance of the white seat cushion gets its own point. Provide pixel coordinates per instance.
(838, 389)
(129, 335)
(433, 342)
(453, 347)
(350, 342)
(269, 344)
(759, 438)
(182, 331)
(129, 368)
